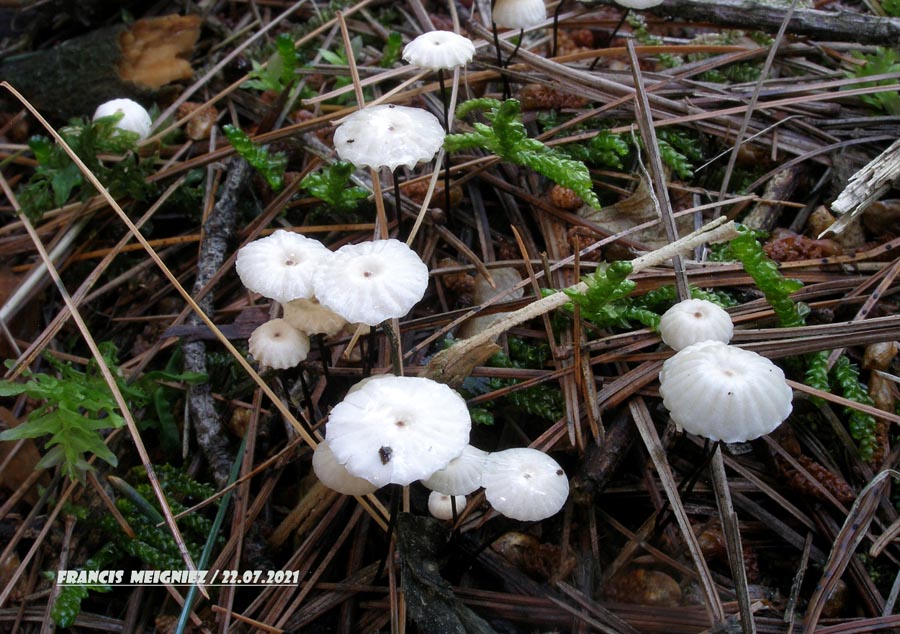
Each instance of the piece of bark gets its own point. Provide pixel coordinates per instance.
(781, 186)
(844, 26)
(218, 231)
(135, 61)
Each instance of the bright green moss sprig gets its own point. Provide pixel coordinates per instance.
(331, 184)
(279, 73)
(77, 407)
(768, 279)
(862, 425)
(57, 179)
(507, 138)
(270, 165)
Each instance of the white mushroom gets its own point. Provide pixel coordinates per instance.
(441, 507)
(372, 281)
(335, 476)
(694, 320)
(640, 5)
(398, 429)
(723, 392)
(439, 50)
(135, 117)
(281, 266)
(311, 317)
(278, 345)
(388, 136)
(524, 484)
(462, 475)
(518, 14)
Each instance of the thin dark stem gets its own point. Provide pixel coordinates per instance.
(556, 29)
(394, 509)
(323, 352)
(506, 90)
(396, 198)
(612, 35)
(516, 49)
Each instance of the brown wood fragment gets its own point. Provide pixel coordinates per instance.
(73, 78)
(844, 26)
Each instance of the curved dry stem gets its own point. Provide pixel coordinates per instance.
(447, 364)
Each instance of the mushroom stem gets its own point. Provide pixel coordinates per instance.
(440, 74)
(442, 363)
(556, 29)
(612, 35)
(500, 66)
(397, 211)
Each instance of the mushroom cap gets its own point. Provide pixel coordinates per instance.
(281, 266)
(372, 281)
(640, 5)
(278, 345)
(312, 318)
(439, 49)
(440, 506)
(723, 392)
(694, 320)
(462, 475)
(135, 117)
(398, 429)
(524, 484)
(389, 136)
(335, 476)
(518, 14)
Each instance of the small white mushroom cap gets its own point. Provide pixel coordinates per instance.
(723, 392)
(135, 117)
(398, 429)
(281, 266)
(524, 484)
(439, 50)
(640, 5)
(518, 14)
(372, 281)
(278, 345)
(312, 318)
(441, 507)
(462, 475)
(389, 136)
(335, 476)
(694, 320)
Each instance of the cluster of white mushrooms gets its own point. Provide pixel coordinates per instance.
(322, 290)
(396, 430)
(715, 390)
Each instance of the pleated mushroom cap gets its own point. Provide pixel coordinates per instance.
(694, 320)
(518, 14)
(281, 266)
(439, 50)
(389, 136)
(278, 345)
(462, 475)
(398, 429)
(524, 484)
(335, 476)
(440, 506)
(135, 117)
(372, 281)
(723, 392)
